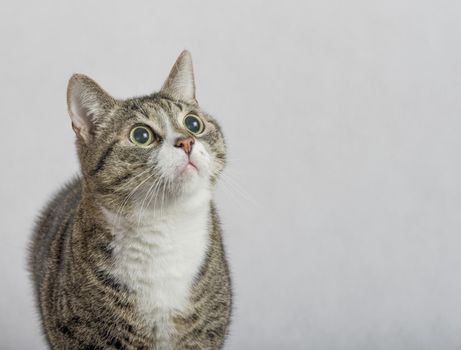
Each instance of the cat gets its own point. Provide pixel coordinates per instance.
(129, 255)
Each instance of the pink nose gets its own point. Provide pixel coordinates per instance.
(185, 143)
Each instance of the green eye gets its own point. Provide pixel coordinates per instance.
(194, 124)
(141, 135)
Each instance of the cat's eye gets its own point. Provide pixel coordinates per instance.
(194, 124)
(142, 136)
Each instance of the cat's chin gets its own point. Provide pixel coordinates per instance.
(187, 175)
(188, 182)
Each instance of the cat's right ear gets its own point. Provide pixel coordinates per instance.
(87, 102)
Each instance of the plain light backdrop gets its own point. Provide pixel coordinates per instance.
(342, 198)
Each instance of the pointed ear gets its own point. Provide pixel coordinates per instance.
(180, 83)
(87, 102)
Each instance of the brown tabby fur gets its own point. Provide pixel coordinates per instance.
(82, 305)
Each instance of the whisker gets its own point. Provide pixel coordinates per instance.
(235, 187)
(151, 190)
(117, 217)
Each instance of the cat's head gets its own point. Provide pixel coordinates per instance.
(146, 151)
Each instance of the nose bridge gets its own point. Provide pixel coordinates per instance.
(185, 143)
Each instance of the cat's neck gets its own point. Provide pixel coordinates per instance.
(151, 217)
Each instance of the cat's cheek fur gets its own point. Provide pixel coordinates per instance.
(201, 158)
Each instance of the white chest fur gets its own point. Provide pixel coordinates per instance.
(159, 259)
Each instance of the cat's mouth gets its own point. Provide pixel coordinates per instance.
(188, 168)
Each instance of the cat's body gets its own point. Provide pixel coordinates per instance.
(130, 256)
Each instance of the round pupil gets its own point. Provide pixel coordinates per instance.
(141, 135)
(192, 123)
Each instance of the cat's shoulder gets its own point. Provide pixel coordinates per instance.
(66, 198)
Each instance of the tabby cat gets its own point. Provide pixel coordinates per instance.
(129, 255)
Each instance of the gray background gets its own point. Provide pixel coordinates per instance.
(342, 197)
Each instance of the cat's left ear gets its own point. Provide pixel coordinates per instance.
(180, 83)
(87, 103)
